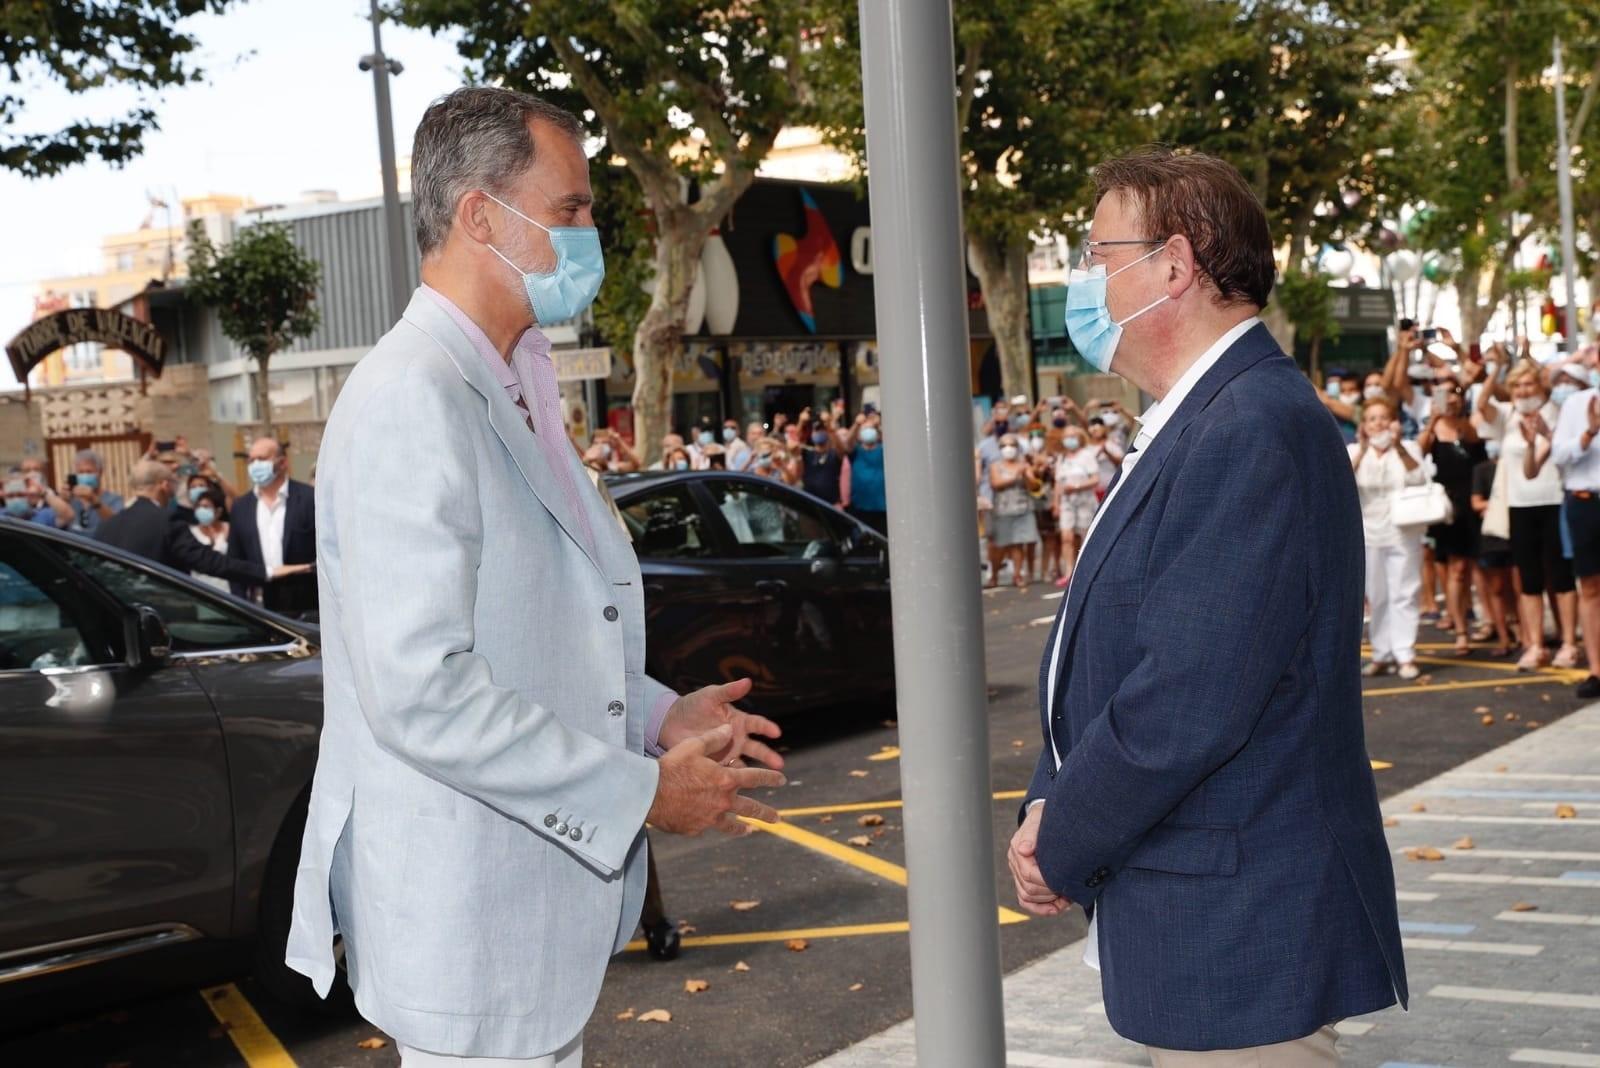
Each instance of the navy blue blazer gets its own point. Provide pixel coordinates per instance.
(1215, 792)
(295, 594)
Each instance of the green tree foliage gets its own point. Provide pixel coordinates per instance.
(264, 290)
(86, 46)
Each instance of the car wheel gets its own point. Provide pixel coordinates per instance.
(272, 934)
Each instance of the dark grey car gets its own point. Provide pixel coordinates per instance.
(157, 741)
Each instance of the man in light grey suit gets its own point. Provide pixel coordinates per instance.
(476, 832)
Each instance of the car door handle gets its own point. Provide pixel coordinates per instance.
(771, 587)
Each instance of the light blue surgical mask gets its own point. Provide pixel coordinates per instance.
(580, 268)
(1094, 333)
(705, 438)
(196, 492)
(869, 435)
(729, 434)
(205, 516)
(261, 472)
(18, 506)
(1563, 393)
(680, 465)
(91, 480)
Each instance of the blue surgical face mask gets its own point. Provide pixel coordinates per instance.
(869, 435)
(92, 481)
(205, 515)
(196, 492)
(262, 472)
(819, 437)
(580, 268)
(1492, 447)
(1094, 333)
(1072, 444)
(1562, 393)
(680, 465)
(729, 434)
(706, 438)
(18, 505)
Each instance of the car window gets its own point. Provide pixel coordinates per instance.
(35, 631)
(666, 524)
(197, 622)
(769, 522)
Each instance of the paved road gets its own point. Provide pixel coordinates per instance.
(791, 1007)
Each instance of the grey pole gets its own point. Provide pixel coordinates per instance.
(1569, 330)
(908, 73)
(394, 227)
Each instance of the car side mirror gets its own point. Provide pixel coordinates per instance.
(152, 641)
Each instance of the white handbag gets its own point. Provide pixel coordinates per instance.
(1422, 506)
(1497, 520)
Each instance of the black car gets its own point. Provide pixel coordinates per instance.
(746, 576)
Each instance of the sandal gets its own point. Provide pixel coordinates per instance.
(1483, 632)
(1531, 661)
(1463, 646)
(1566, 657)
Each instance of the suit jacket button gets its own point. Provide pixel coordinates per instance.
(550, 821)
(611, 613)
(616, 708)
(561, 829)
(575, 834)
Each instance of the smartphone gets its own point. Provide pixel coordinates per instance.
(166, 446)
(1430, 334)
(72, 481)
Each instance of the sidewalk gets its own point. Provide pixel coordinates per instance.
(1493, 982)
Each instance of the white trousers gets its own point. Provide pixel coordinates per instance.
(569, 1056)
(1394, 581)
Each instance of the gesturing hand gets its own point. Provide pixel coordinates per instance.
(1033, 893)
(695, 792)
(713, 706)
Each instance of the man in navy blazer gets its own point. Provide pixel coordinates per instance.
(276, 523)
(1204, 791)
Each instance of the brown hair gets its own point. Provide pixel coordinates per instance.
(1386, 402)
(1207, 201)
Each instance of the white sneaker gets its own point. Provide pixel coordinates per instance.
(1409, 671)
(1376, 668)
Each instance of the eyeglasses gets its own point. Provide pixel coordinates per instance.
(1092, 247)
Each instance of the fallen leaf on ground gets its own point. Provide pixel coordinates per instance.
(857, 774)
(797, 945)
(741, 967)
(1488, 721)
(1509, 716)
(1524, 906)
(625, 1014)
(1481, 709)
(1377, 711)
(685, 927)
(855, 986)
(1545, 698)
(859, 840)
(871, 819)
(1424, 853)
(880, 832)
(1419, 807)
(1566, 812)
(695, 986)
(891, 723)
(1017, 743)
(372, 1043)
(1531, 724)
(1424, 680)
(824, 819)
(1501, 769)
(1464, 843)
(655, 1016)
(1499, 689)
(742, 906)
(1391, 822)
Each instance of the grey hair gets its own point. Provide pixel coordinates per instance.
(473, 138)
(148, 473)
(93, 457)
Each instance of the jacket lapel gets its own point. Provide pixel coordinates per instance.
(1254, 346)
(506, 419)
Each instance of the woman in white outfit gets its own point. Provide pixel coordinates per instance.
(210, 528)
(1384, 465)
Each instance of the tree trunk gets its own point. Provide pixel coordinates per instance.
(1473, 317)
(264, 395)
(658, 343)
(1001, 265)
(1314, 360)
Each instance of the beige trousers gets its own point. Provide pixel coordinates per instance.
(1316, 1050)
(569, 1056)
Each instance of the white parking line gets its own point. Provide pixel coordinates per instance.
(1414, 895)
(1023, 1059)
(1540, 776)
(1053, 596)
(1509, 949)
(1571, 919)
(1555, 1056)
(1441, 817)
(1042, 621)
(1511, 880)
(1516, 997)
(1519, 854)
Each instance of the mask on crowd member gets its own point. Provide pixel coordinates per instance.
(1492, 447)
(1008, 452)
(1351, 397)
(729, 435)
(205, 515)
(1529, 405)
(1563, 393)
(1035, 443)
(1372, 392)
(91, 480)
(819, 437)
(262, 472)
(580, 268)
(196, 492)
(869, 435)
(1072, 442)
(1019, 420)
(1094, 333)
(1002, 421)
(16, 500)
(680, 464)
(1059, 422)
(1382, 440)
(705, 438)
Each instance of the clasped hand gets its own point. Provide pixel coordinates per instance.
(1033, 893)
(707, 738)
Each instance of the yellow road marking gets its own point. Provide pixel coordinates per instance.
(1380, 765)
(872, 806)
(1481, 684)
(888, 752)
(846, 931)
(856, 858)
(258, 1046)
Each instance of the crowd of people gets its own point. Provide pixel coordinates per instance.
(259, 543)
(1041, 474)
(1480, 500)
(825, 453)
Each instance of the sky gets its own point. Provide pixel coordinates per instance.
(284, 109)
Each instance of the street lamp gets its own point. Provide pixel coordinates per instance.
(394, 228)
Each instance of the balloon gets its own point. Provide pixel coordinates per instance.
(1548, 325)
(1403, 265)
(1388, 239)
(1435, 269)
(1412, 228)
(1357, 281)
(1352, 199)
(1338, 262)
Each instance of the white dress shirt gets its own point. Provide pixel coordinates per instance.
(1150, 425)
(269, 527)
(1580, 467)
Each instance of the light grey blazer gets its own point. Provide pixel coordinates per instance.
(476, 825)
